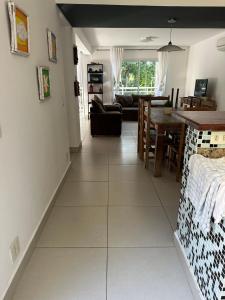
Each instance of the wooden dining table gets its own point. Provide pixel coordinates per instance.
(162, 123)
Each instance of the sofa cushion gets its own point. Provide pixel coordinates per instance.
(97, 106)
(125, 101)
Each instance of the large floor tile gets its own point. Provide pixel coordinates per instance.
(98, 144)
(168, 190)
(146, 274)
(83, 193)
(75, 227)
(88, 173)
(124, 147)
(124, 158)
(172, 213)
(64, 274)
(128, 173)
(139, 227)
(130, 193)
(89, 158)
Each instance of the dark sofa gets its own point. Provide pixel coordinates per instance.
(130, 104)
(105, 119)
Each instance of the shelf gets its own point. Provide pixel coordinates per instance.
(95, 64)
(89, 82)
(95, 72)
(95, 93)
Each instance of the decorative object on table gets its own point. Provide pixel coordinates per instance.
(91, 89)
(76, 88)
(52, 49)
(75, 55)
(19, 26)
(94, 80)
(44, 82)
(171, 47)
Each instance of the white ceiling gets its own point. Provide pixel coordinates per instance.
(107, 37)
(149, 2)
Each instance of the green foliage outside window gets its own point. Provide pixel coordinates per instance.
(138, 74)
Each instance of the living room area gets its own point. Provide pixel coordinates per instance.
(131, 66)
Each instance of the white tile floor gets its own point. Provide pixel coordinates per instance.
(110, 233)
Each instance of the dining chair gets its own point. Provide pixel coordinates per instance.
(175, 150)
(150, 131)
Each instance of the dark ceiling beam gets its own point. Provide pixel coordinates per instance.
(122, 16)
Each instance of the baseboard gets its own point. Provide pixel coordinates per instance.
(76, 149)
(190, 275)
(32, 243)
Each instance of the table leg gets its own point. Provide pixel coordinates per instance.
(159, 150)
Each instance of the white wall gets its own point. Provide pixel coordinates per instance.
(205, 61)
(176, 70)
(72, 102)
(34, 140)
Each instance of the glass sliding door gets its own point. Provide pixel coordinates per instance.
(138, 77)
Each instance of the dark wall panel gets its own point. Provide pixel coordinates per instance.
(116, 16)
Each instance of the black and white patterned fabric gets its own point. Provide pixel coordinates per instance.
(205, 253)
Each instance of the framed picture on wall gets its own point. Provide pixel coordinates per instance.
(19, 27)
(44, 82)
(52, 49)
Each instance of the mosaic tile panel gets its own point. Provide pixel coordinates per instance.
(205, 253)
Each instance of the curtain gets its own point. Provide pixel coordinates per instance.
(116, 57)
(161, 73)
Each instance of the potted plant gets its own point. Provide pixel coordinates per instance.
(168, 107)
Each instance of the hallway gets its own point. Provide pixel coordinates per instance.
(110, 233)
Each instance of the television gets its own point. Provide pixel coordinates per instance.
(201, 87)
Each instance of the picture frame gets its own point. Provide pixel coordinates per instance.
(75, 55)
(19, 29)
(52, 46)
(44, 82)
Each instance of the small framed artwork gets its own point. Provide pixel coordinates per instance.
(19, 27)
(44, 82)
(75, 55)
(52, 49)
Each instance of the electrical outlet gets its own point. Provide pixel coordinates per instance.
(218, 138)
(14, 249)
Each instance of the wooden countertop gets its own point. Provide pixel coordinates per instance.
(203, 120)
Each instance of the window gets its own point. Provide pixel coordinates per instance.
(138, 77)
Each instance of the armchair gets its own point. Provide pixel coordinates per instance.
(105, 119)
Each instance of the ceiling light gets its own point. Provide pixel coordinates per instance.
(170, 47)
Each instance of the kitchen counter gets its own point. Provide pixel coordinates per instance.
(203, 120)
(204, 254)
